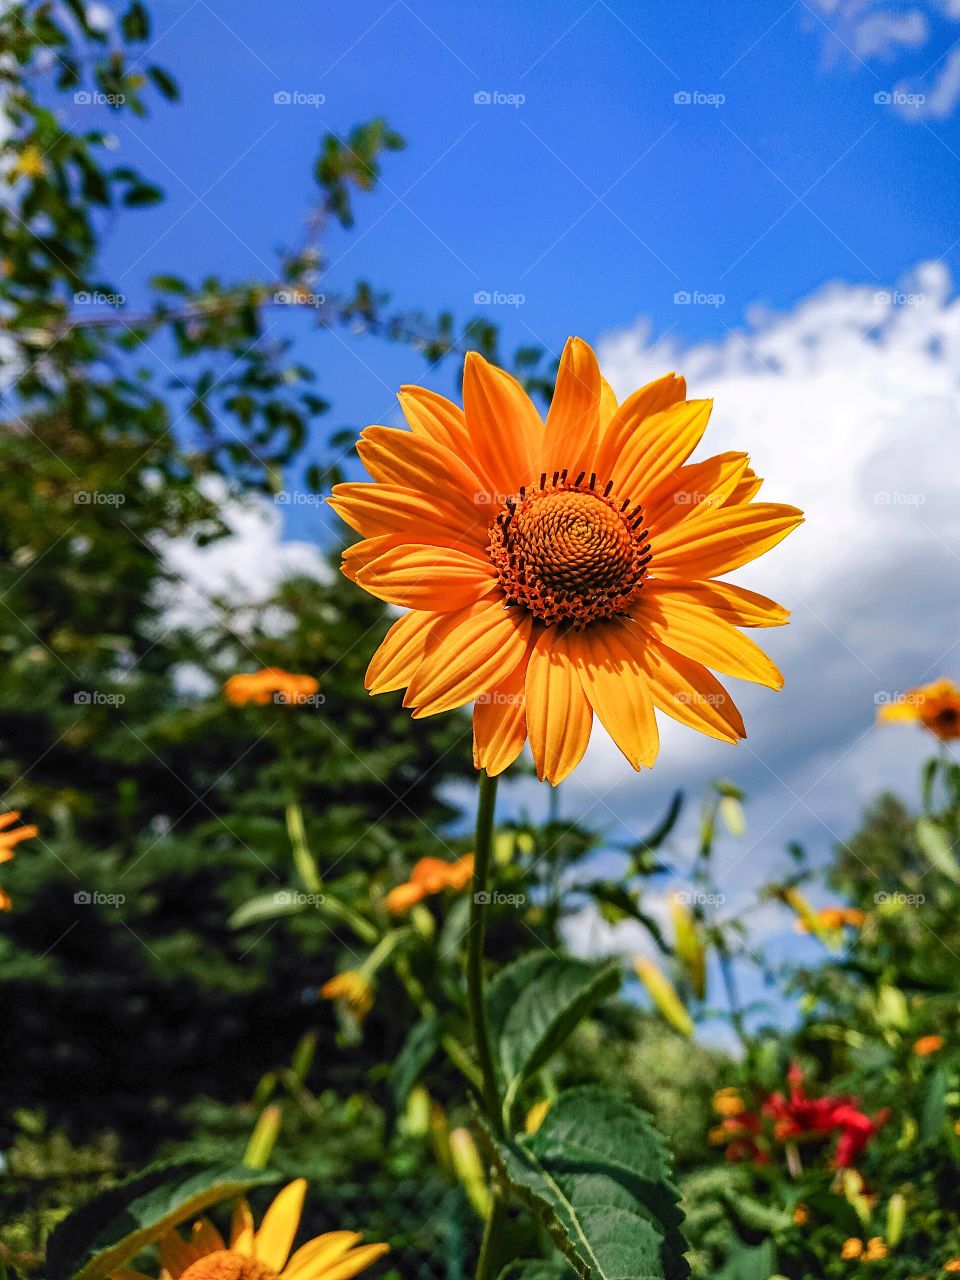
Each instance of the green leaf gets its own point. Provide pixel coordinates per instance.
(536, 1269)
(267, 906)
(164, 83)
(99, 1237)
(655, 839)
(934, 1112)
(596, 1175)
(534, 1004)
(935, 843)
(418, 1048)
(135, 23)
(142, 194)
(751, 1263)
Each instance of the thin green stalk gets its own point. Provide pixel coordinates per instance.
(476, 934)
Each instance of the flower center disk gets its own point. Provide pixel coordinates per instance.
(225, 1264)
(569, 552)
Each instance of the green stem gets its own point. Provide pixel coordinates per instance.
(475, 938)
(479, 901)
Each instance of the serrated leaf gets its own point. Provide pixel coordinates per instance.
(534, 1004)
(597, 1176)
(99, 1237)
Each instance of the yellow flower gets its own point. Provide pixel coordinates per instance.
(927, 1045)
(727, 1102)
(430, 876)
(8, 839)
(263, 1254)
(271, 684)
(952, 1265)
(29, 164)
(936, 706)
(557, 571)
(834, 918)
(801, 1215)
(353, 988)
(875, 1251)
(852, 1248)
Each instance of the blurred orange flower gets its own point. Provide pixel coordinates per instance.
(353, 988)
(875, 1251)
(936, 706)
(852, 1248)
(927, 1045)
(430, 876)
(271, 684)
(560, 570)
(834, 918)
(9, 838)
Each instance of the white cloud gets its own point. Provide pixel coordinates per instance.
(850, 406)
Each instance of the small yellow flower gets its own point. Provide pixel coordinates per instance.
(263, 1254)
(852, 1248)
(875, 1251)
(927, 1045)
(801, 1215)
(8, 839)
(270, 684)
(430, 876)
(936, 706)
(29, 164)
(353, 989)
(952, 1265)
(727, 1102)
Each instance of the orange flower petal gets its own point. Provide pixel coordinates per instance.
(376, 510)
(723, 540)
(500, 723)
(401, 652)
(695, 631)
(613, 680)
(664, 443)
(241, 1229)
(559, 717)
(628, 419)
(473, 657)
(403, 897)
(505, 428)
(694, 490)
(356, 1260)
(747, 489)
(308, 1260)
(608, 404)
(437, 418)
(688, 692)
(570, 436)
(393, 456)
(422, 577)
(279, 1226)
(734, 604)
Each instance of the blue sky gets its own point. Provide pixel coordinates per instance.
(806, 198)
(597, 198)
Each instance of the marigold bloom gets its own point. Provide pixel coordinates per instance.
(270, 684)
(430, 876)
(875, 1251)
(852, 1248)
(262, 1254)
(927, 1045)
(560, 570)
(8, 839)
(936, 706)
(353, 988)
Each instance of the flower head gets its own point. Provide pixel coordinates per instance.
(936, 706)
(430, 876)
(927, 1045)
(556, 571)
(8, 839)
(263, 1254)
(270, 684)
(851, 1248)
(833, 918)
(353, 988)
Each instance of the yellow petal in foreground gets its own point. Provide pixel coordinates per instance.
(556, 570)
